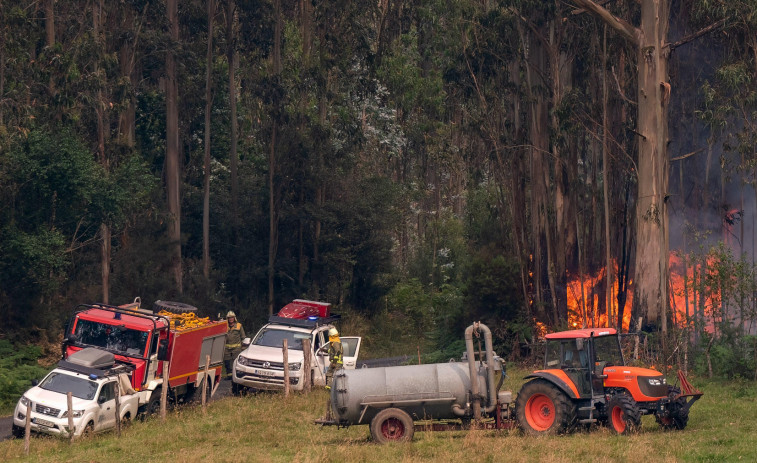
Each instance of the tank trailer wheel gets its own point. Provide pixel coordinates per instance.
(392, 425)
(174, 307)
(541, 408)
(624, 415)
(677, 417)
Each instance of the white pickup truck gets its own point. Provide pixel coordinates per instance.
(261, 365)
(93, 377)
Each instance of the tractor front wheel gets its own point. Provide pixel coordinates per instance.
(541, 408)
(624, 416)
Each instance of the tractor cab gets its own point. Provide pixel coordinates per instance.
(582, 355)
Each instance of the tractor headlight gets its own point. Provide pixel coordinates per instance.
(656, 381)
(24, 401)
(295, 366)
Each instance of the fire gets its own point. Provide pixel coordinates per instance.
(588, 298)
(689, 292)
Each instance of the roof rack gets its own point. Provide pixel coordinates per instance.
(303, 323)
(97, 372)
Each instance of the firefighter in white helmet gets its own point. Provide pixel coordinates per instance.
(336, 352)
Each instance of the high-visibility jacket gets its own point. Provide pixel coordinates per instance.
(336, 352)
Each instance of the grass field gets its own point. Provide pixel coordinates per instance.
(263, 428)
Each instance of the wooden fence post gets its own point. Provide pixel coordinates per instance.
(204, 384)
(118, 407)
(70, 414)
(285, 350)
(306, 366)
(164, 390)
(28, 428)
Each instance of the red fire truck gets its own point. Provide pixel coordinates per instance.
(148, 340)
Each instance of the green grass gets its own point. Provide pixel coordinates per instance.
(266, 427)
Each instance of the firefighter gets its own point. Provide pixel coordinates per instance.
(234, 338)
(336, 352)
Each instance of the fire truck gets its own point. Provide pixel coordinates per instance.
(149, 340)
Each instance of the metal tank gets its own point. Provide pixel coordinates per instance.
(433, 391)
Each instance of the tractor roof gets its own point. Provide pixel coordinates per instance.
(582, 333)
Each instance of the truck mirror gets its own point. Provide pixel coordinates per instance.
(163, 349)
(579, 343)
(71, 339)
(35, 382)
(246, 342)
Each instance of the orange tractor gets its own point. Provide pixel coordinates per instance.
(585, 381)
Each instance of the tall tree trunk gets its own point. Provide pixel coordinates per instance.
(273, 212)
(206, 157)
(102, 133)
(651, 270)
(606, 186)
(172, 147)
(233, 61)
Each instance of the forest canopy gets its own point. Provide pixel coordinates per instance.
(418, 164)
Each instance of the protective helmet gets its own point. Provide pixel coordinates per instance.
(230, 314)
(333, 332)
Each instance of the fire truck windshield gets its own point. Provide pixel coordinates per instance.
(114, 338)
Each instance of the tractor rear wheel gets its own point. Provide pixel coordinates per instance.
(541, 408)
(677, 417)
(392, 425)
(624, 416)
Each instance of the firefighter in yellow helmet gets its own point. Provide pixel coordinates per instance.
(336, 352)
(233, 346)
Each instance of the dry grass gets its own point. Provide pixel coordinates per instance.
(268, 428)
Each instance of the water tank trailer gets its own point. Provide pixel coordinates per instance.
(391, 399)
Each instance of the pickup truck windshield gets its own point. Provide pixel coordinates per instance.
(62, 383)
(272, 337)
(111, 337)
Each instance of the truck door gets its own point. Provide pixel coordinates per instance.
(351, 347)
(106, 416)
(321, 358)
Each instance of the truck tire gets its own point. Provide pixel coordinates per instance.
(153, 405)
(543, 409)
(174, 307)
(18, 432)
(392, 425)
(624, 416)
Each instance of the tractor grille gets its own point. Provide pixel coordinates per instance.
(45, 410)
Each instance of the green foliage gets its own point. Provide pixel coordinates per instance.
(18, 366)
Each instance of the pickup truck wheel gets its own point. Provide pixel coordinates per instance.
(174, 307)
(18, 432)
(392, 425)
(89, 430)
(236, 389)
(125, 421)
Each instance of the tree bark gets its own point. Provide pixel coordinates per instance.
(172, 147)
(651, 270)
(233, 62)
(206, 157)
